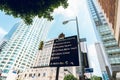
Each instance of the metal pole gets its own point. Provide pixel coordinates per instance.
(91, 75)
(57, 73)
(79, 50)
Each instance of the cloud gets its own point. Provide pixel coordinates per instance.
(72, 10)
(2, 33)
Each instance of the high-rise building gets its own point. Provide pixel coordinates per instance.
(101, 56)
(111, 9)
(21, 49)
(3, 42)
(105, 35)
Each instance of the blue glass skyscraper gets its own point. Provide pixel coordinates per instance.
(105, 35)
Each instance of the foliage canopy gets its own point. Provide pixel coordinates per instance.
(70, 77)
(28, 9)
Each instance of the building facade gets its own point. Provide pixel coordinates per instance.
(3, 43)
(42, 70)
(46, 73)
(21, 49)
(45, 55)
(111, 9)
(101, 56)
(105, 36)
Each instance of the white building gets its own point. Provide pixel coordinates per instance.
(45, 54)
(21, 49)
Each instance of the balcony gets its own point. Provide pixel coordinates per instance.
(110, 44)
(112, 51)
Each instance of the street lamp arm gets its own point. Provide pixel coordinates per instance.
(65, 22)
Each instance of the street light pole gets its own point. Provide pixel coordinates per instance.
(79, 47)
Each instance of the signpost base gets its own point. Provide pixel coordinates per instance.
(57, 73)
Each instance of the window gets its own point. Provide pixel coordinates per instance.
(3, 62)
(25, 75)
(104, 20)
(102, 16)
(14, 64)
(2, 55)
(105, 23)
(30, 75)
(8, 53)
(5, 70)
(22, 63)
(34, 74)
(39, 75)
(44, 74)
(1, 65)
(97, 23)
(11, 59)
(8, 66)
(10, 63)
(5, 58)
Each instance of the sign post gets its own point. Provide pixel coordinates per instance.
(57, 73)
(65, 52)
(89, 70)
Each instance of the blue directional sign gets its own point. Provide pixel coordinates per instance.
(65, 52)
(88, 70)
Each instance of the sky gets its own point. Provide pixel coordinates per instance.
(76, 8)
(6, 23)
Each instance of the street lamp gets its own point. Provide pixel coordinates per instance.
(79, 47)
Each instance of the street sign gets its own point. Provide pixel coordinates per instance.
(14, 72)
(88, 70)
(65, 52)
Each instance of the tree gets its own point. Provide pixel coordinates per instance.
(28, 9)
(70, 77)
(41, 45)
(96, 78)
